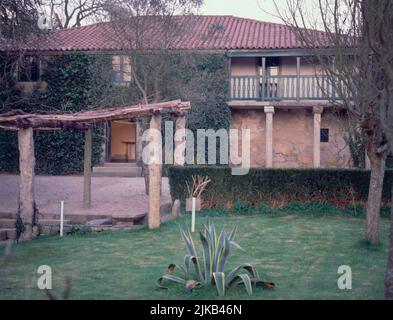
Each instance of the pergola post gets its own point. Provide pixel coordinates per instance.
(155, 163)
(26, 188)
(87, 169)
(180, 141)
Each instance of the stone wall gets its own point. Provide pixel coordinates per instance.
(293, 138)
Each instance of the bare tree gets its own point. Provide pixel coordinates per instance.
(378, 26)
(72, 13)
(146, 30)
(343, 51)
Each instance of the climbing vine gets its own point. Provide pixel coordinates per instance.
(80, 81)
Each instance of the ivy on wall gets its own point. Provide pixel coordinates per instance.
(79, 81)
(75, 82)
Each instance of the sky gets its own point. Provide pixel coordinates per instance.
(265, 11)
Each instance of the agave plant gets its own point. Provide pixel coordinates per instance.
(211, 269)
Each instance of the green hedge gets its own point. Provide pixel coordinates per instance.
(277, 187)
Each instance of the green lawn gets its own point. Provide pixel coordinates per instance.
(300, 254)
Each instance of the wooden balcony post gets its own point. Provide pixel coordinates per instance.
(230, 93)
(269, 111)
(298, 78)
(263, 78)
(333, 84)
(317, 111)
(26, 187)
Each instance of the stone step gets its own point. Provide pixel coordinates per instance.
(136, 219)
(120, 165)
(117, 171)
(7, 234)
(7, 215)
(7, 223)
(52, 222)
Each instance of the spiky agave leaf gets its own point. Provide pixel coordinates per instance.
(169, 277)
(187, 238)
(188, 259)
(219, 279)
(225, 250)
(247, 267)
(233, 232)
(172, 266)
(207, 255)
(245, 279)
(219, 249)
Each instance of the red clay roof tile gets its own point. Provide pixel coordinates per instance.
(197, 32)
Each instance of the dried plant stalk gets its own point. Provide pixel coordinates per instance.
(199, 184)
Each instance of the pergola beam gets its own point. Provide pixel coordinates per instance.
(81, 120)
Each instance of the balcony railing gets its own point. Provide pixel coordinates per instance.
(282, 87)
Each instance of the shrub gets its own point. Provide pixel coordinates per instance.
(278, 187)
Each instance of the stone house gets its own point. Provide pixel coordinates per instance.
(277, 89)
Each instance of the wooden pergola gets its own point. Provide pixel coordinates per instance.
(26, 123)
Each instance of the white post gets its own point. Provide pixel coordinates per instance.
(61, 217)
(193, 214)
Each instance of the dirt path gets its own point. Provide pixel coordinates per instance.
(110, 196)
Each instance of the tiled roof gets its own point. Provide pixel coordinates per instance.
(196, 33)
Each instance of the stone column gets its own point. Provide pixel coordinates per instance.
(87, 170)
(269, 111)
(317, 111)
(155, 172)
(26, 187)
(180, 141)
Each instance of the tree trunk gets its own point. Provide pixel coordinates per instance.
(389, 271)
(374, 198)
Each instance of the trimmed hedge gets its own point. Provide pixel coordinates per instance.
(277, 187)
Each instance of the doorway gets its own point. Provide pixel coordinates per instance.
(122, 141)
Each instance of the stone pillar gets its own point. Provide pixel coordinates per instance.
(87, 170)
(317, 111)
(269, 111)
(26, 187)
(180, 141)
(155, 162)
(138, 141)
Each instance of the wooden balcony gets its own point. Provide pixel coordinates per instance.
(282, 88)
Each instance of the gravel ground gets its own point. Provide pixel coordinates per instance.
(110, 196)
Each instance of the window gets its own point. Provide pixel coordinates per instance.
(324, 135)
(121, 69)
(29, 69)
